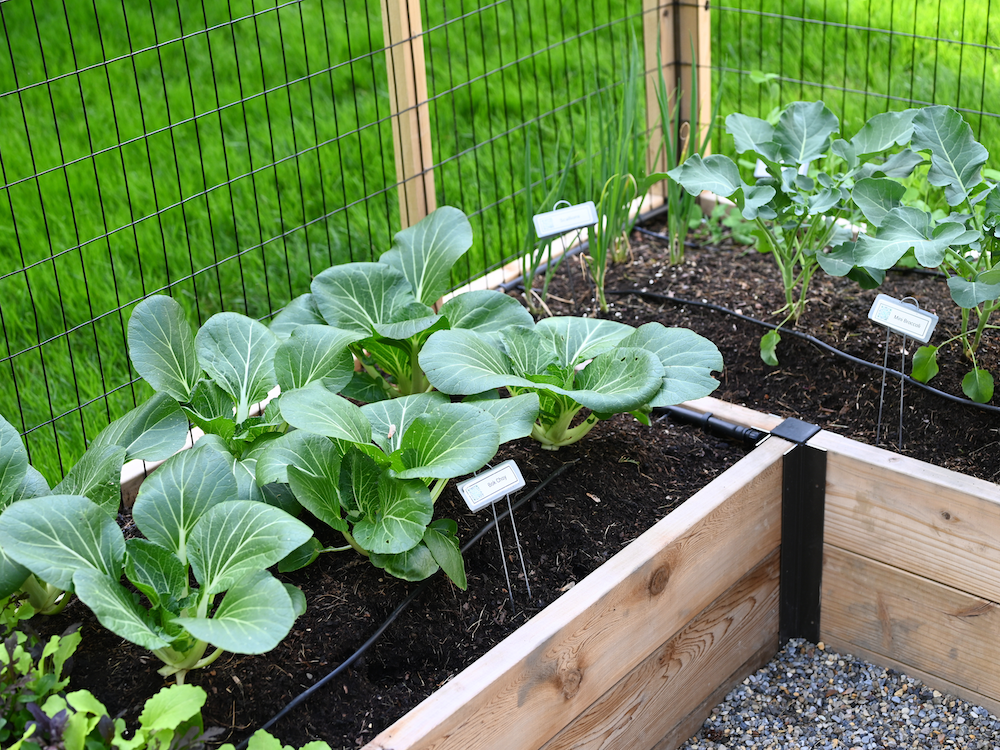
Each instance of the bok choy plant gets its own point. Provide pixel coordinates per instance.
(374, 472)
(152, 431)
(201, 543)
(387, 306)
(233, 362)
(576, 363)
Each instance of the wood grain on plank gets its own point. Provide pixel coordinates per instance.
(538, 680)
(911, 621)
(930, 521)
(662, 696)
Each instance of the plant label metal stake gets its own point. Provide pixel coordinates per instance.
(563, 220)
(485, 489)
(907, 319)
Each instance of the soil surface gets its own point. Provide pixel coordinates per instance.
(620, 479)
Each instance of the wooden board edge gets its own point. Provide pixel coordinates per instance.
(942, 632)
(894, 463)
(522, 661)
(688, 727)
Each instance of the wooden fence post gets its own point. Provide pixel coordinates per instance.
(410, 112)
(671, 30)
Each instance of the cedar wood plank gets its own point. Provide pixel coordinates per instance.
(918, 625)
(540, 678)
(664, 692)
(927, 520)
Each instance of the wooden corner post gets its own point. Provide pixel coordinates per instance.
(676, 33)
(409, 110)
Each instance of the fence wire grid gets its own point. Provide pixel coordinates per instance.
(225, 153)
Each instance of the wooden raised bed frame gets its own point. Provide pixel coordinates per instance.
(639, 652)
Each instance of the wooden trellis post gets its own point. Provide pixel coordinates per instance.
(675, 28)
(410, 112)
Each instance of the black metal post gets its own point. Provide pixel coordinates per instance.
(802, 511)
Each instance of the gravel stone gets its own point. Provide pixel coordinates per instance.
(810, 697)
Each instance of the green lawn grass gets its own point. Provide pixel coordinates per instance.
(854, 65)
(227, 163)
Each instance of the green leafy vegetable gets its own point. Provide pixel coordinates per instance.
(384, 311)
(195, 529)
(576, 363)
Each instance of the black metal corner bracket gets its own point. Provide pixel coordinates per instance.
(802, 511)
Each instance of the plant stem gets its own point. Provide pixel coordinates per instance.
(354, 545)
(437, 488)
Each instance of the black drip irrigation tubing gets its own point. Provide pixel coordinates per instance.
(811, 339)
(410, 598)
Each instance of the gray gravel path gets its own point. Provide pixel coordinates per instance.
(810, 697)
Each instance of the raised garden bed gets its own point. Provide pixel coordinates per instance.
(581, 524)
(639, 652)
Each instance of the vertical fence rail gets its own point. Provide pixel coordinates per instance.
(409, 108)
(677, 34)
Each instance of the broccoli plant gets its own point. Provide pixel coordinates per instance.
(797, 210)
(576, 363)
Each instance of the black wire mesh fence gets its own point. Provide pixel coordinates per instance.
(861, 57)
(224, 153)
(217, 152)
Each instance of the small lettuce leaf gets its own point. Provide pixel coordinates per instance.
(316, 409)
(446, 441)
(425, 252)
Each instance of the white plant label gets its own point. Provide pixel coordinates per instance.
(564, 220)
(903, 318)
(486, 488)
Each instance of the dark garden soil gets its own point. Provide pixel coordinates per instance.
(623, 478)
